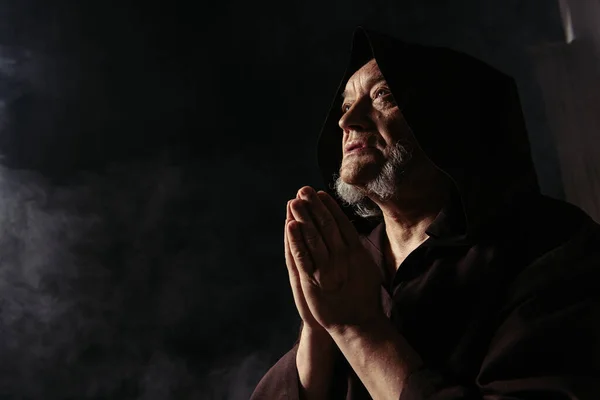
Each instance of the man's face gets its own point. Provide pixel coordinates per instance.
(372, 125)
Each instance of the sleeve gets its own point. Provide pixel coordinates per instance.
(281, 382)
(546, 345)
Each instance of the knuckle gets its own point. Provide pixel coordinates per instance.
(301, 255)
(294, 204)
(311, 239)
(305, 191)
(326, 223)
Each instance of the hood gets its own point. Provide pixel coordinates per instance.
(465, 115)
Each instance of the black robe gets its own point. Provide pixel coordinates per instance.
(503, 300)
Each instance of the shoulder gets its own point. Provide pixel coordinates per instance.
(562, 244)
(557, 226)
(551, 220)
(539, 224)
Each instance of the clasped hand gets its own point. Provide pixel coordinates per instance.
(334, 280)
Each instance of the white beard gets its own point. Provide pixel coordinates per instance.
(382, 188)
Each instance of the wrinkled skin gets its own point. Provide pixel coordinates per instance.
(334, 280)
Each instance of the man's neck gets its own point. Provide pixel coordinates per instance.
(405, 229)
(419, 198)
(410, 213)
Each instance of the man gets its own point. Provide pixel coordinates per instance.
(458, 279)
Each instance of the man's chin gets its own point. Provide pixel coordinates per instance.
(357, 184)
(359, 178)
(348, 192)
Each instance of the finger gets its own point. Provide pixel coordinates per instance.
(322, 218)
(289, 260)
(288, 212)
(312, 237)
(298, 249)
(293, 274)
(295, 281)
(347, 230)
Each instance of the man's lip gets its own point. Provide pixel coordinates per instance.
(355, 146)
(356, 149)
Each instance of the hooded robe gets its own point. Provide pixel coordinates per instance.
(503, 300)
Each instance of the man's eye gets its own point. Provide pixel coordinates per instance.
(345, 107)
(381, 92)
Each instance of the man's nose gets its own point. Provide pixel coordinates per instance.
(357, 117)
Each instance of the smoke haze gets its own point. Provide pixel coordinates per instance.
(148, 153)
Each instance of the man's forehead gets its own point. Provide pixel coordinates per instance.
(368, 73)
(370, 67)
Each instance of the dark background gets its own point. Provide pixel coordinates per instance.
(148, 153)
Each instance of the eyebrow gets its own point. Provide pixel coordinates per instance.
(371, 81)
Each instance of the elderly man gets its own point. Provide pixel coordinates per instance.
(458, 279)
